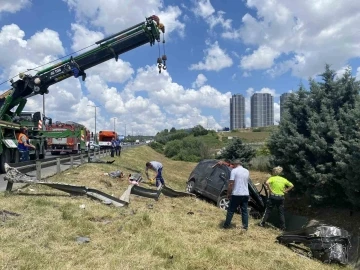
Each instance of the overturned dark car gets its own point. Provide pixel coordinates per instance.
(210, 179)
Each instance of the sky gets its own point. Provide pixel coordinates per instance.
(214, 48)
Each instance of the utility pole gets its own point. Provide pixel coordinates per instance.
(125, 131)
(114, 123)
(94, 106)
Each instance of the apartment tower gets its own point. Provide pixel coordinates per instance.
(283, 99)
(262, 110)
(237, 112)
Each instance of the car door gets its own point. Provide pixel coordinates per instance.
(216, 182)
(203, 173)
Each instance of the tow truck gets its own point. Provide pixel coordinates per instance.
(13, 101)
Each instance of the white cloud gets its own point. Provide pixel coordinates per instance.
(200, 80)
(246, 74)
(215, 59)
(276, 113)
(205, 10)
(358, 74)
(262, 58)
(112, 18)
(341, 71)
(18, 54)
(13, 6)
(308, 33)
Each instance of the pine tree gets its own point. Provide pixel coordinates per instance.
(237, 150)
(318, 140)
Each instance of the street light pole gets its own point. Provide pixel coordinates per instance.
(114, 124)
(94, 106)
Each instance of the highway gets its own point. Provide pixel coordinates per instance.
(52, 169)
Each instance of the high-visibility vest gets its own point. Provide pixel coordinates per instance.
(21, 145)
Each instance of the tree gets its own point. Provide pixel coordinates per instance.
(237, 150)
(317, 142)
(172, 130)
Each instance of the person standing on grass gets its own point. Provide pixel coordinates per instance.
(117, 147)
(156, 167)
(278, 187)
(238, 194)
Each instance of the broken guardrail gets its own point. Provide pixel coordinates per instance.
(40, 164)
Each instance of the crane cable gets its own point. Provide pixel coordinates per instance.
(49, 62)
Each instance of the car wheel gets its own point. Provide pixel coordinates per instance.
(223, 202)
(190, 187)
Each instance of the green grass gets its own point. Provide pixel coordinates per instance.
(163, 236)
(248, 137)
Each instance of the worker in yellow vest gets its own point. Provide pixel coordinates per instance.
(278, 187)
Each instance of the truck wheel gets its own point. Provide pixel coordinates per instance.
(54, 153)
(4, 158)
(15, 156)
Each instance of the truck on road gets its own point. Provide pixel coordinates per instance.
(105, 137)
(70, 143)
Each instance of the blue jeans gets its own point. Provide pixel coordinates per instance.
(24, 155)
(235, 202)
(159, 178)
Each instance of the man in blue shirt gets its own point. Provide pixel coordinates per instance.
(238, 194)
(157, 167)
(117, 147)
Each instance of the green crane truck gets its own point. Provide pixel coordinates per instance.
(13, 101)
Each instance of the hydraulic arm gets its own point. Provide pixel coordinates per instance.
(108, 48)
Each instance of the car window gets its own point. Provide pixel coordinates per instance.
(215, 175)
(204, 169)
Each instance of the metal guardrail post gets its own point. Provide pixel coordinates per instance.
(9, 186)
(38, 170)
(71, 162)
(81, 158)
(58, 168)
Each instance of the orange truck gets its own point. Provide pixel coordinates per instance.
(105, 137)
(68, 139)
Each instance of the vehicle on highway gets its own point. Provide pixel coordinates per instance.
(93, 146)
(210, 179)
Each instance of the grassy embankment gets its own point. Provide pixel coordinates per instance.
(147, 234)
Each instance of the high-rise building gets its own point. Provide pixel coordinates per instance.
(262, 110)
(283, 99)
(237, 112)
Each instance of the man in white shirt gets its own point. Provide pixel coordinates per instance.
(157, 167)
(238, 194)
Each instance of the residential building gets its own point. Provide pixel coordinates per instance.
(237, 112)
(283, 99)
(262, 110)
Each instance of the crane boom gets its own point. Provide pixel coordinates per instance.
(108, 48)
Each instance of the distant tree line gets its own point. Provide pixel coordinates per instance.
(183, 144)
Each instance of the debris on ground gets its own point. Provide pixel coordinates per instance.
(82, 240)
(115, 174)
(4, 214)
(326, 243)
(97, 160)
